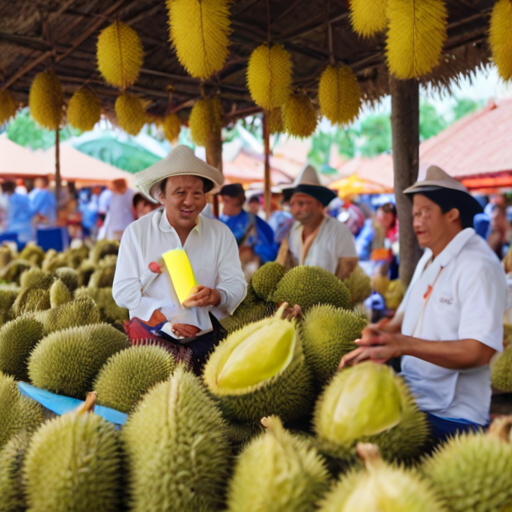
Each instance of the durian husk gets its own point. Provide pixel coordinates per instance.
(416, 35)
(120, 55)
(275, 121)
(359, 285)
(368, 17)
(395, 294)
(45, 100)
(172, 127)
(299, 115)
(7, 106)
(500, 37)
(339, 94)
(205, 120)
(84, 109)
(269, 76)
(130, 113)
(199, 31)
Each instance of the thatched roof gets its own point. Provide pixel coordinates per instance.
(32, 30)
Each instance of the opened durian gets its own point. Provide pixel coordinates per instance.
(359, 285)
(299, 115)
(7, 106)
(84, 109)
(45, 100)
(277, 471)
(266, 279)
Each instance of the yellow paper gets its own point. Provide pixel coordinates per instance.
(181, 272)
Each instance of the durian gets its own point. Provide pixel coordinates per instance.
(77, 255)
(266, 279)
(369, 403)
(416, 35)
(17, 339)
(395, 294)
(339, 94)
(299, 115)
(307, 286)
(30, 300)
(381, 284)
(129, 374)
(69, 276)
(368, 16)
(178, 456)
(12, 495)
(36, 278)
(500, 38)
(259, 371)
(59, 294)
(328, 333)
(199, 31)
(53, 261)
(380, 487)
(269, 76)
(120, 55)
(247, 315)
(45, 100)
(205, 120)
(359, 285)
(11, 273)
(103, 276)
(6, 256)
(66, 362)
(172, 127)
(85, 271)
(473, 471)
(103, 248)
(32, 253)
(7, 106)
(277, 472)
(73, 464)
(501, 373)
(275, 121)
(84, 109)
(130, 113)
(110, 311)
(8, 294)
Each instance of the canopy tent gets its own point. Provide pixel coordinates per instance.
(355, 185)
(18, 162)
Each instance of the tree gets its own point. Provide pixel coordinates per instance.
(375, 135)
(431, 122)
(465, 106)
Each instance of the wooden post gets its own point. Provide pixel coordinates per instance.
(57, 167)
(214, 158)
(266, 179)
(406, 140)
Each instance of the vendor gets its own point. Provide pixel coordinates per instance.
(317, 239)
(142, 284)
(449, 324)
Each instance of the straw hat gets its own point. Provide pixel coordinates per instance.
(436, 178)
(181, 161)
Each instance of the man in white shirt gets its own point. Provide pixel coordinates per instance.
(143, 285)
(315, 238)
(449, 324)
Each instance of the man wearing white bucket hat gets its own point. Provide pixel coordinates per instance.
(142, 284)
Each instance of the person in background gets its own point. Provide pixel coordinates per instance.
(142, 205)
(20, 187)
(500, 230)
(43, 203)
(20, 213)
(254, 236)
(103, 204)
(352, 216)
(120, 211)
(280, 221)
(253, 205)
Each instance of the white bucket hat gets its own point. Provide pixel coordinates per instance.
(180, 161)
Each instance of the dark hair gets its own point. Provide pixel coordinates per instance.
(8, 186)
(254, 199)
(138, 198)
(207, 185)
(389, 208)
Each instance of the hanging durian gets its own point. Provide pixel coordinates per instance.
(45, 100)
(130, 113)
(339, 94)
(205, 120)
(275, 121)
(269, 76)
(120, 55)
(84, 109)
(199, 31)
(7, 106)
(500, 38)
(416, 35)
(368, 16)
(172, 127)
(299, 115)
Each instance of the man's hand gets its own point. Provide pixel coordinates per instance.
(185, 330)
(202, 297)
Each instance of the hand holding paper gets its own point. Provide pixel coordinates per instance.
(201, 296)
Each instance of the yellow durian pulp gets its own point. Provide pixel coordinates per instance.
(500, 37)
(130, 113)
(45, 100)
(259, 355)
(299, 115)
(368, 16)
(416, 35)
(269, 76)
(199, 31)
(84, 109)
(339, 94)
(172, 127)
(205, 120)
(120, 55)
(7, 106)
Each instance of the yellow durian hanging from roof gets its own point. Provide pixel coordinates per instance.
(500, 37)
(269, 76)
(120, 55)
(275, 121)
(171, 125)
(368, 17)
(130, 112)
(415, 37)
(199, 31)
(84, 109)
(299, 115)
(205, 120)
(7, 106)
(339, 94)
(45, 100)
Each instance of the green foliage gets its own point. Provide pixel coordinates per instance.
(375, 134)
(431, 122)
(465, 106)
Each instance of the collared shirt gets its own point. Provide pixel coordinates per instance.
(44, 203)
(333, 241)
(467, 301)
(213, 254)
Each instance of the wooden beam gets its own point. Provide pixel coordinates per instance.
(266, 178)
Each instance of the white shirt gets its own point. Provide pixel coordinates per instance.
(333, 241)
(467, 302)
(213, 254)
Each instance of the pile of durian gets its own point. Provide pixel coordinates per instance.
(270, 425)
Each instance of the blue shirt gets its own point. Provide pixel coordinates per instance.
(364, 241)
(43, 202)
(262, 242)
(20, 217)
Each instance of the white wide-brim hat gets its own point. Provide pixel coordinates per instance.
(181, 161)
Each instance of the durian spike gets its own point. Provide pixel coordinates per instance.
(88, 405)
(371, 456)
(501, 428)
